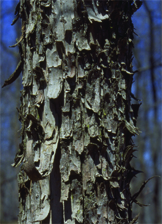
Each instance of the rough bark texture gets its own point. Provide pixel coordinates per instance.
(76, 111)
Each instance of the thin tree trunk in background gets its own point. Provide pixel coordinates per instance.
(9, 125)
(155, 143)
(76, 114)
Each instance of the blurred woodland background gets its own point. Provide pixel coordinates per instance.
(147, 87)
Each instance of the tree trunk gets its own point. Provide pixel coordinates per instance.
(76, 112)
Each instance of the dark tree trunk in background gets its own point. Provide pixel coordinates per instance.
(155, 144)
(76, 112)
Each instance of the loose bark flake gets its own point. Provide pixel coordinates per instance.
(76, 106)
(14, 75)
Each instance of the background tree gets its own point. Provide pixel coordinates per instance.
(149, 121)
(9, 101)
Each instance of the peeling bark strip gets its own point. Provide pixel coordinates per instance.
(14, 75)
(76, 111)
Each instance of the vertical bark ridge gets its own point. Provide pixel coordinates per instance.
(77, 78)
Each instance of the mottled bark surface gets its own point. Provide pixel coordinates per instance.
(76, 112)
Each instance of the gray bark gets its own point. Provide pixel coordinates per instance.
(76, 112)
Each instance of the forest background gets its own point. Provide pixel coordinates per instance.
(147, 87)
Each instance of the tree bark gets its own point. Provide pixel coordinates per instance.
(76, 112)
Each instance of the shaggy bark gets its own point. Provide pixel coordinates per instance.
(76, 112)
